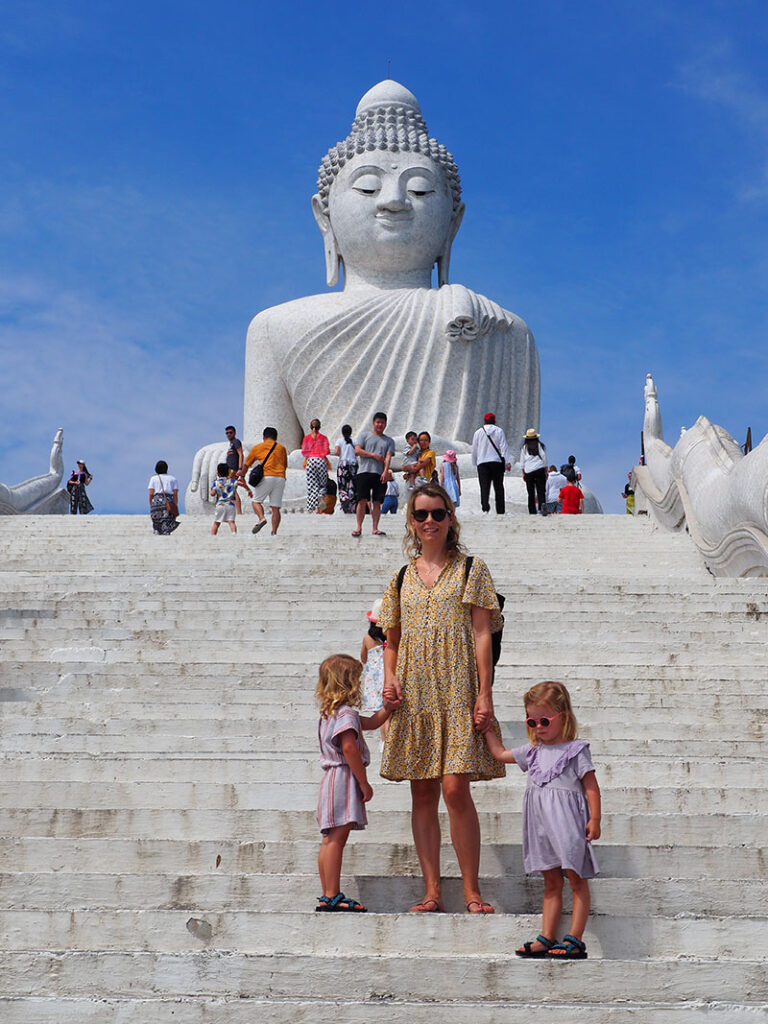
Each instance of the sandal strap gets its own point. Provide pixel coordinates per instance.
(546, 943)
(571, 940)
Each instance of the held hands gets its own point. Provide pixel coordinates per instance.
(593, 829)
(392, 694)
(483, 713)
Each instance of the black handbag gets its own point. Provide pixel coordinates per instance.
(257, 473)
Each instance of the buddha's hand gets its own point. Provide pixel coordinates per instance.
(204, 467)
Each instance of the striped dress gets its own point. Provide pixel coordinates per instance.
(340, 801)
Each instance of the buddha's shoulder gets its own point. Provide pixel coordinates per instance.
(299, 313)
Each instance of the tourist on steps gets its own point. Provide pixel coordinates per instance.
(346, 470)
(490, 453)
(561, 815)
(273, 459)
(533, 462)
(315, 449)
(374, 450)
(78, 498)
(344, 756)
(163, 499)
(224, 490)
(438, 619)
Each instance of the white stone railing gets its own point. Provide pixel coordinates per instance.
(707, 486)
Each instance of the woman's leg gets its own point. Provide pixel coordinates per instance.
(530, 486)
(541, 486)
(329, 859)
(465, 833)
(581, 903)
(425, 796)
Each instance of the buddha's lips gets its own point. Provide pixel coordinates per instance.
(393, 220)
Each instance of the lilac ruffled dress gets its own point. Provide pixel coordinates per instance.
(555, 809)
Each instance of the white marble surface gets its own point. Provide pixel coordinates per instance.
(40, 495)
(707, 486)
(437, 359)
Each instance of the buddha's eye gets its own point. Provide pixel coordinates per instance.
(367, 185)
(420, 187)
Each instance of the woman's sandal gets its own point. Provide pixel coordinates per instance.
(427, 906)
(357, 533)
(485, 908)
(339, 904)
(526, 951)
(570, 948)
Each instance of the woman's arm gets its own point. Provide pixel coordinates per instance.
(592, 793)
(337, 450)
(348, 743)
(393, 692)
(442, 474)
(368, 643)
(151, 496)
(176, 496)
(481, 629)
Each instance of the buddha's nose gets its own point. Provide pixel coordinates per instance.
(393, 199)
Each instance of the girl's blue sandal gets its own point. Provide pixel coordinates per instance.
(526, 951)
(339, 904)
(570, 948)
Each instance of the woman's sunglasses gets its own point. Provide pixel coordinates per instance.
(422, 514)
(545, 721)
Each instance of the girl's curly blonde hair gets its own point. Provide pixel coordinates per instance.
(552, 695)
(339, 681)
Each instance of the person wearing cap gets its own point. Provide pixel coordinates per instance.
(490, 453)
(450, 480)
(533, 462)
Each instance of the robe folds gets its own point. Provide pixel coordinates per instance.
(433, 359)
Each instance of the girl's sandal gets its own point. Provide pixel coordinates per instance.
(339, 904)
(570, 948)
(526, 951)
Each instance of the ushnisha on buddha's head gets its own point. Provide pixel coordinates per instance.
(389, 197)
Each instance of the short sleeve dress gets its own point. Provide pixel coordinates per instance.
(432, 733)
(555, 809)
(340, 801)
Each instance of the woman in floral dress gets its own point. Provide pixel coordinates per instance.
(437, 668)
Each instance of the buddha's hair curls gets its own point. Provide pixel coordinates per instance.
(394, 129)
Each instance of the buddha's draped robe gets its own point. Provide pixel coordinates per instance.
(433, 359)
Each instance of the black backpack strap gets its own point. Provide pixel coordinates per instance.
(467, 567)
(401, 577)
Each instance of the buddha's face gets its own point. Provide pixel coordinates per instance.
(390, 211)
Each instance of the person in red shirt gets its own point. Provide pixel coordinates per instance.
(572, 498)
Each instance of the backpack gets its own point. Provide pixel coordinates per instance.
(495, 637)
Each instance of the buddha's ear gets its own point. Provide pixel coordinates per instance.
(444, 259)
(329, 242)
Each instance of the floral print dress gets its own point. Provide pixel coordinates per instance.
(432, 733)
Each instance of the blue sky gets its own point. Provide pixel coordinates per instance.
(159, 160)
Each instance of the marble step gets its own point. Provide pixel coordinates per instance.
(654, 829)
(301, 793)
(496, 977)
(378, 1010)
(272, 892)
(235, 858)
(694, 773)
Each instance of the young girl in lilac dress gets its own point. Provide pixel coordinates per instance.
(344, 756)
(561, 815)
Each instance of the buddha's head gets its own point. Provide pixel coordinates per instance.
(389, 197)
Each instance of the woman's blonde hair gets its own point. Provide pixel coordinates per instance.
(411, 543)
(552, 695)
(338, 682)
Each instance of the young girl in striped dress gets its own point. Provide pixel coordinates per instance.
(344, 756)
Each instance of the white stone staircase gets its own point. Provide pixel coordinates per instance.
(159, 776)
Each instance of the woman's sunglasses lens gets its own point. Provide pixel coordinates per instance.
(438, 514)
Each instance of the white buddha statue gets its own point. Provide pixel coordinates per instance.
(437, 359)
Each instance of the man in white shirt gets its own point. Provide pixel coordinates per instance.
(490, 453)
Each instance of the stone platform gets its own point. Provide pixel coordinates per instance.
(159, 778)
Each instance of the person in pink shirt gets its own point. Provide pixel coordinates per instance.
(315, 449)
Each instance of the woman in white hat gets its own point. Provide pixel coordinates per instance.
(533, 462)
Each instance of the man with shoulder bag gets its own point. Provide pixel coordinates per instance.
(270, 463)
(490, 453)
